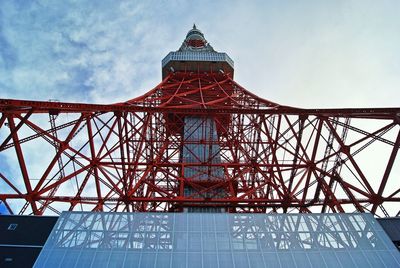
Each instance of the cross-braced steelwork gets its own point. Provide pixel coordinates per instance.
(198, 141)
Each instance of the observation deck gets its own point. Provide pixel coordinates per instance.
(197, 55)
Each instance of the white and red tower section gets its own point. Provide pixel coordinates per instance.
(198, 141)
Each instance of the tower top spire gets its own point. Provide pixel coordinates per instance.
(195, 41)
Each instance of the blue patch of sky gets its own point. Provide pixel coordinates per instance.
(3, 162)
(8, 57)
(40, 37)
(3, 209)
(5, 169)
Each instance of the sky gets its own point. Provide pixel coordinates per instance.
(300, 53)
(3, 209)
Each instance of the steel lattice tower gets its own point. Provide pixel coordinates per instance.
(198, 141)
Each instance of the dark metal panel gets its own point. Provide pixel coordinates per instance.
(22, 239)
(391, 227)
(18, 257)
(29, 230)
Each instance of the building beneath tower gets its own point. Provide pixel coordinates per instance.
(178, 240)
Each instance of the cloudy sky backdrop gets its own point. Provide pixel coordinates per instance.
(298, 53)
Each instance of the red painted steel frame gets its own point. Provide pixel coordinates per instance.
(127, 156)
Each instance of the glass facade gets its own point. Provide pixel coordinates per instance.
(107, 239)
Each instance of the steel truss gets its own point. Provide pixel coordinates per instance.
(128, 156)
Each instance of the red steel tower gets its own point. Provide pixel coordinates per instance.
(198, 141)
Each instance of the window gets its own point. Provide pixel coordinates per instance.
(12, 226)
